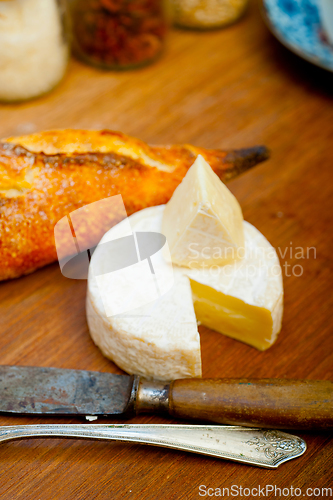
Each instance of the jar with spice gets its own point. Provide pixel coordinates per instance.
(119, 34)
(206, 14)
(34, 47)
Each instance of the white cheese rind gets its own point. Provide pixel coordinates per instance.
(159, 339)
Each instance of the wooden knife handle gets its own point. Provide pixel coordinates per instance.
(280, 404)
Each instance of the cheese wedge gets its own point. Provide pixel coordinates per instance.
(203, 221)
(243, 300)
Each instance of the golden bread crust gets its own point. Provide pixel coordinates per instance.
(45, 176)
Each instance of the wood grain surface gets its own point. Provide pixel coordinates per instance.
(222, 89)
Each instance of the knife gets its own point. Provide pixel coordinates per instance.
(264, 448)
(267, 403)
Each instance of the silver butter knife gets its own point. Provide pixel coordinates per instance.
(261, 447)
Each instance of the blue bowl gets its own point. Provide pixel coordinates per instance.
(296, 24)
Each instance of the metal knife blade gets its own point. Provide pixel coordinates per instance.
(37, 390)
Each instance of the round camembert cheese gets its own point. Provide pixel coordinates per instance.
(158, 337)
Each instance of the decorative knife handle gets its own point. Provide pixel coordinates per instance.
(270, 403)
(250, 446)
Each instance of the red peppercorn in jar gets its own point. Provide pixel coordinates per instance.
(119, 34)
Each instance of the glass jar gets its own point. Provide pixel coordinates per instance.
(119, 34)
(206, 14)
(34, 47)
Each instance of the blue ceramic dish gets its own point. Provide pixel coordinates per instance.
(296, 24)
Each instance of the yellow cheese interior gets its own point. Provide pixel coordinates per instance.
(232, 317)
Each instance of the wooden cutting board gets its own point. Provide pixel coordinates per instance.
(228, 88)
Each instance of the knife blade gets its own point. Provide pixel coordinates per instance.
(267, 403)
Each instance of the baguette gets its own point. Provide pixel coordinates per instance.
(45, 176)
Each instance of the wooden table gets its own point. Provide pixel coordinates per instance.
(230, 88)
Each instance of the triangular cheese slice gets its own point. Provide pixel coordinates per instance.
(203, 221)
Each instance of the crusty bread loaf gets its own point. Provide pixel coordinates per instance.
(45, 176)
